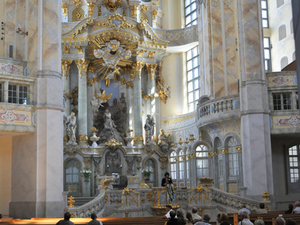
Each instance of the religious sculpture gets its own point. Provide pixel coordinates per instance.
(70, 122)
(163, 140)
(98, 100)
(108, 123)
(149, 128)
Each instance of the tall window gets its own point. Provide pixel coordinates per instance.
(190, 11)
(282, 32)
(181, 165)
(193, 78)
(17, 94)
(294, 163)
(1, 92)
(284, 62)
(72, 171)
(173, 164)
(282, 101)
(264, 13)
(233, 157)
(267, 53)
(202, 161)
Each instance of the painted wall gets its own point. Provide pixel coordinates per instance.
(5, 174)
(173, 14)
(2, 19)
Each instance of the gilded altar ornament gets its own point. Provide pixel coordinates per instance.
(207, 181)
(106, 198)
(106, 183)
(154, 15)
(143, 8)
(150, 55)
(124, 11)
(149, 196)
(82, 64)
(80, 50)
(143, 184)
(191, 138)
(91, 6)
(83, 137)
(138, 66)
(67, 49)
(113, 143)
(71, 201)
(180, 142)
(86, 163)
(99, 10)
(112, 5)
(64, 7)
(186, 141)
(239, 149)
(133, 11)
(224, 150)
(266, 196)
(77, 3)
(151, 69)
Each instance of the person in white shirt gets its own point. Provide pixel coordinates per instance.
(195, 216)
(168, 210)
(245, 220)
(243, 208)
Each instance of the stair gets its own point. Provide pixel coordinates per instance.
(79, 201)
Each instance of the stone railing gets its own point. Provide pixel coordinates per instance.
(232, 203)
(94, 206)
(220, 109)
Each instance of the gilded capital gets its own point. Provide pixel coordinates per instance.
(224, 150)
(82, 64)
(154, 15)
(80, 50)
(64, 7)
(138, 66)
(151, 69)
(67, 49)
(239, 149)
(77, 3)
(99, 10)
(91, 6)
(143, 8)
(65, 66)
(134, 11)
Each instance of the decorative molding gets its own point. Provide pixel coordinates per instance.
(10, 117)
(179, 119)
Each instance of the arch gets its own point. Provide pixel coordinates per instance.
(77, 14)
(279, 3)
(72, 178)
(195, 145)
(228, 136)
(284, 61)
(154, 175)
(217, 142)
(281, 32)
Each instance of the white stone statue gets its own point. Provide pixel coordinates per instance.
(149, 127)
(71, 128)
(109, 123)
(97, 101)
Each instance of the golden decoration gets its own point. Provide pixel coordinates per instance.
(267, 207)
(201, 135)
(103, 97)
(151, 69)
(126, 191)
(67, 49)
(138, 139)
(224, 150)
(193, 155)
(154, 14)
(138, 66)
(77, 3)
(66, 138)
(180, 142)
(94, 130)
(77, 14)
(91, 6)
(83, 137)
(239, 149)
(151, 53)
(149, 196)
(212, 153)
(124, 12)
(75, 31)
(99, 10)
(109, 23)
(72, 215)
(133, 11)
(180, 119)
(113, 143)
(207, 181)
(176, 159)
(191, 138)
(143, 184)
(200, 211)
(82, 64)
(189, 157)
(266, 196)
(65, 66)
(184, 158)
(106, 183)
(143, 8)
(71, 201)
(112, 5)
(72, 188)
(106, 198)
(64, 7)
(79, 48)
(186, 142)
(163, 161)
(86, 163)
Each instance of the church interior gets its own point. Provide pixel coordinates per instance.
(99, 99)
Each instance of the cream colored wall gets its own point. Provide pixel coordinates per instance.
(2, 19)
(5, 174)
(285, 47)
(173, 14)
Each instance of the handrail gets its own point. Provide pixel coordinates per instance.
(94, 206)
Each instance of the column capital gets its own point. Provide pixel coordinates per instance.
(151, 69)
(82, 64)
(66, 65)
(137, 67)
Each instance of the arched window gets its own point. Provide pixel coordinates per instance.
(72, 184)
(291, 26)
(173, 164)
(150, 165)
(284, 62)
(181, 165)
(202, 161)
(282, 32)
(233, 157)
(280, 3)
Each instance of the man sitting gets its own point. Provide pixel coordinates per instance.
(206, 219)
(245, 220)
(168, 210)
(172, 220)
(94, 220)
(243, 208)
(66, 220)
(261, 209)
(195, 216)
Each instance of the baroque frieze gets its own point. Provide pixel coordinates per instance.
(12, 117)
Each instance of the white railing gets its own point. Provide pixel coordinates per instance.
(94, 206)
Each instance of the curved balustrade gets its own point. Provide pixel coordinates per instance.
(94, 206)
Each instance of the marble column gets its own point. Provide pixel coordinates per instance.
(137, 103)
(37, 159)
(82, 65)
(130, 105)
(255, 126)
(90, 93)
(65, 68)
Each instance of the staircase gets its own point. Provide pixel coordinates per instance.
(79, 201)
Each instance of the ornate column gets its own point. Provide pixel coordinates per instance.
(137, 102)
(65, 69)
(82, 65)
(90, 93)
(255, 124)
(5, 91)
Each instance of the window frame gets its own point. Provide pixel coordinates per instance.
(282, 101)
(267, 14)
(173, 162)
(204, 157)
(292, 186)
(1, 91)
(18, 94)
(195, 21)
(269, 60)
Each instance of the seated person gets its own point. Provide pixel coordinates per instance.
(196, 217)
(94, 220)
(168, 210)
(66, 220)
(245, 220)
(261, 209)
(173, 219)
(290, 209)
(243, 208)
(180, 217)
(206, 219)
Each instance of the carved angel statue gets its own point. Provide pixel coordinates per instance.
(70, 122)
(98, 100)
(149, 127)
(163, 141)
(109, 123)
